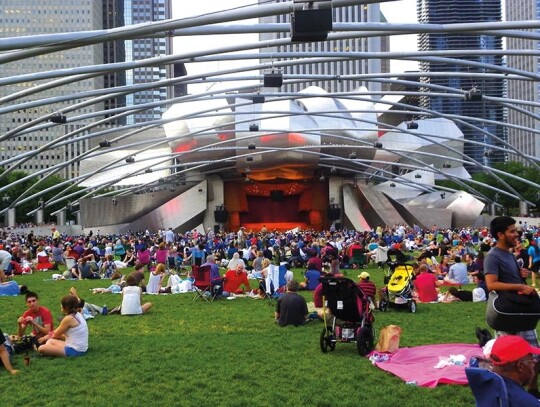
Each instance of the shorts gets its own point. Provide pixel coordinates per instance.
(71, 353)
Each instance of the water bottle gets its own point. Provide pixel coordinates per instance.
(26, 359)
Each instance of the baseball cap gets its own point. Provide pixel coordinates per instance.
(510, 348)
(364, 275)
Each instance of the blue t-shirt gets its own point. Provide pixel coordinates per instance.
(534, 251)
(9, 288)
(312, 279)
(502, 264)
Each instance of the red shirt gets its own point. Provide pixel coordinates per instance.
(42, 317)
(233, 281)
(426, 287)
(369, 288)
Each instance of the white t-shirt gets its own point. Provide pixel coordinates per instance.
(131, 301)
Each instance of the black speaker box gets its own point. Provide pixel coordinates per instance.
(273, 80)
(221, 216)
(311, 25)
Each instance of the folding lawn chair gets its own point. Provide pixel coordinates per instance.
(202, 284)
(489, 389)
(275, 280)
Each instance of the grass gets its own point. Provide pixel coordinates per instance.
(226, 353)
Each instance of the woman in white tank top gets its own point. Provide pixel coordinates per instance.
(72, 329)
(132, 298)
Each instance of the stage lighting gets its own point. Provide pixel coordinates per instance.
(474, 95)
(313, 22)
(443, 195)
(417, 176)
(273, 80)
(252, 146)
(148, 170)
(447, 165)
(352, 156)
(104, 144)
(377, 144)
(114, 201)
(412, 125)
(249, 159)
(257, 99)
(253, 127)
(393, 185)
(130, 160)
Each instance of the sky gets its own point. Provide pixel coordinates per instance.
(402, 11)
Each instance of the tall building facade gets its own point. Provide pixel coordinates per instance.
(22, 18)
(118, 13)
(523, 139)
(352, 14)
(465, 11)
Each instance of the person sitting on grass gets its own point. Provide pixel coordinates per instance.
(108, 267)
(132, 301)
(425, 285)
(70, 339)
(5, 356)
(234, 279)
(117, 283)
(155, 279)
(513, 358)
(312, 277)
(40, 318)
(291, 308)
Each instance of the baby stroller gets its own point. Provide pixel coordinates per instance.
(351, 320)
(399, 287)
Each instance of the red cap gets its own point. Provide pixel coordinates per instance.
(510, 348)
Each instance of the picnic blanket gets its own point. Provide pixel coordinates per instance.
(418, 364)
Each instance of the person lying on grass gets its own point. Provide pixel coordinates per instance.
(70, 339)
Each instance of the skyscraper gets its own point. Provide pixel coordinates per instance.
(351, 14)
(22, 18)
(465, 11)
(119, 13)
(523, 139)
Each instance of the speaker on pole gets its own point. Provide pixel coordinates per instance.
(311, 24)
(221, 215)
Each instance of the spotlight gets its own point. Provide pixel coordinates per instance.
(393, 185)
(58, 118)
(377, 144)
(130, 160)
(249, 159)
(352, 155)
(253, 127)
(443, 195)
(114, 201)
(104, 144)
(412, 125)
(417, 176)
(246, 180)
(148, 170)
(446, 165)
(321, 178)
(489, 153)
(333, 170)
(252, 146)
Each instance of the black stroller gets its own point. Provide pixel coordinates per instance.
(352, 318)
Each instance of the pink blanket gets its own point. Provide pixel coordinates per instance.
(418, 364)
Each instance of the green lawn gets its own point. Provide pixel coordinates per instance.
(225, 353)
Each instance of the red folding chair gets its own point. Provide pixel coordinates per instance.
(202, 284)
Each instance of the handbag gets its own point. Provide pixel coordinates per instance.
(510, 311)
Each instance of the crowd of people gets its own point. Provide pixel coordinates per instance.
(441, 257)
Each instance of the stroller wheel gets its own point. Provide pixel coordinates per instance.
(326, 341)
(412, 306)
(364, 341)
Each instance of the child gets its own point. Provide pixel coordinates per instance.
(108, 268)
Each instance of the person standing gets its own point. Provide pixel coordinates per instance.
(502, 273)
(534, 260)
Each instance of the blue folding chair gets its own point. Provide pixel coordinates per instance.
(489, 389)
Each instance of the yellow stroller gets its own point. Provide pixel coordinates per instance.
(399, 288)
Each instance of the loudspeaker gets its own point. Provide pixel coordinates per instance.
(216, 228)
(221, 216)
(273, 80)
(333, 212)
(311, 25)
(276, 195)
(337, 225)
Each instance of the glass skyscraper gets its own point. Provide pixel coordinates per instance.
(523, 139)
(465, 11)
